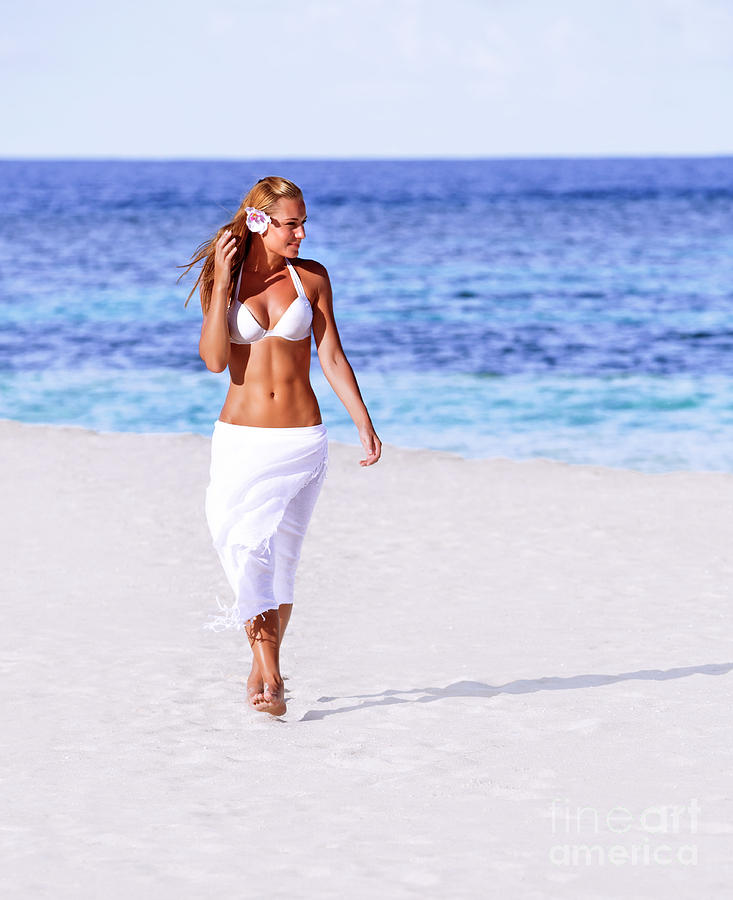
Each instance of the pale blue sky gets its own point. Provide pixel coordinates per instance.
(376, 78)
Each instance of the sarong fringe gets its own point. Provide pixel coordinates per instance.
(232, 618)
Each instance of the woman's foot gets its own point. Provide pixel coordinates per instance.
(272, 698)
(255, 685)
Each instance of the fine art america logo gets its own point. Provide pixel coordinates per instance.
(655, 836)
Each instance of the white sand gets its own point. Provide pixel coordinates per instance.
(471, 642)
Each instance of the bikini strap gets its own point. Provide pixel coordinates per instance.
(236, 289)
(296, 280)
(293, 274)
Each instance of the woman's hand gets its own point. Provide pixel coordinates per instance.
(226, 247)
(371, 443)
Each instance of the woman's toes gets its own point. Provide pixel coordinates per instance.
(252, 695)
(273, 700)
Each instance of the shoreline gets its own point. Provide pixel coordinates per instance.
(444, 454)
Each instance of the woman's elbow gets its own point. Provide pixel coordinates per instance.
(214, 363)
(331, 360)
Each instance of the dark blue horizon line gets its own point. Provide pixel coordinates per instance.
(346, 159)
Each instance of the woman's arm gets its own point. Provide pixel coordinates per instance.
(337, 368)
(214, 344)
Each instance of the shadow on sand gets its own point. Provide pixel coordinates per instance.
(520, 686)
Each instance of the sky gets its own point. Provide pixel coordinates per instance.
(299, 79)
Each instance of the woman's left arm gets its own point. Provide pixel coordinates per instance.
(337, 368)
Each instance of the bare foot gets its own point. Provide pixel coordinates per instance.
(255, 687)
(272, 699)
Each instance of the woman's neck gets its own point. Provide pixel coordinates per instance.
(261, 261)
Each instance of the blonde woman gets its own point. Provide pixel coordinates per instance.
(269, 448)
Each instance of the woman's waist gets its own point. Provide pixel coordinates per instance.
(280, 409)
(270, 429)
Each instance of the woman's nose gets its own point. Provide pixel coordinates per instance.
(300, 231)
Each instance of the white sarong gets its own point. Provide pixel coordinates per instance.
(263, 487)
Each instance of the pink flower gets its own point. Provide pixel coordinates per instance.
(257, 220)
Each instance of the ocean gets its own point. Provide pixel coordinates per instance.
(571, 309)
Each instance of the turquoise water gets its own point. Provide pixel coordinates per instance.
(646, 423)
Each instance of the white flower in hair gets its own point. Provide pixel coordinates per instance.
(257, 220)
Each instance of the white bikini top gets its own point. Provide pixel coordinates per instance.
(293, 325)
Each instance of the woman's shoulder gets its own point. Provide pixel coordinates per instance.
(312, 266)
(313, 275)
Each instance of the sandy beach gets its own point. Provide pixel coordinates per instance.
(504, 679)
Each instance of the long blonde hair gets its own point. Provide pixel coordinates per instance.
(264, 195)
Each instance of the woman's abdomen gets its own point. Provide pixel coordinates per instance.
(270, 385)
(271, 404)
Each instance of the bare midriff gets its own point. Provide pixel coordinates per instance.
(270, 385)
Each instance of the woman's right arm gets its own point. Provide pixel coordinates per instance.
(215, 345)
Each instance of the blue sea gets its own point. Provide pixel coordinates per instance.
(573, 309)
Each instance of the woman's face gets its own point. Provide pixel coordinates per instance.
(286, 229)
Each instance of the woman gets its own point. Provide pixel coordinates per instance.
(269, 449)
